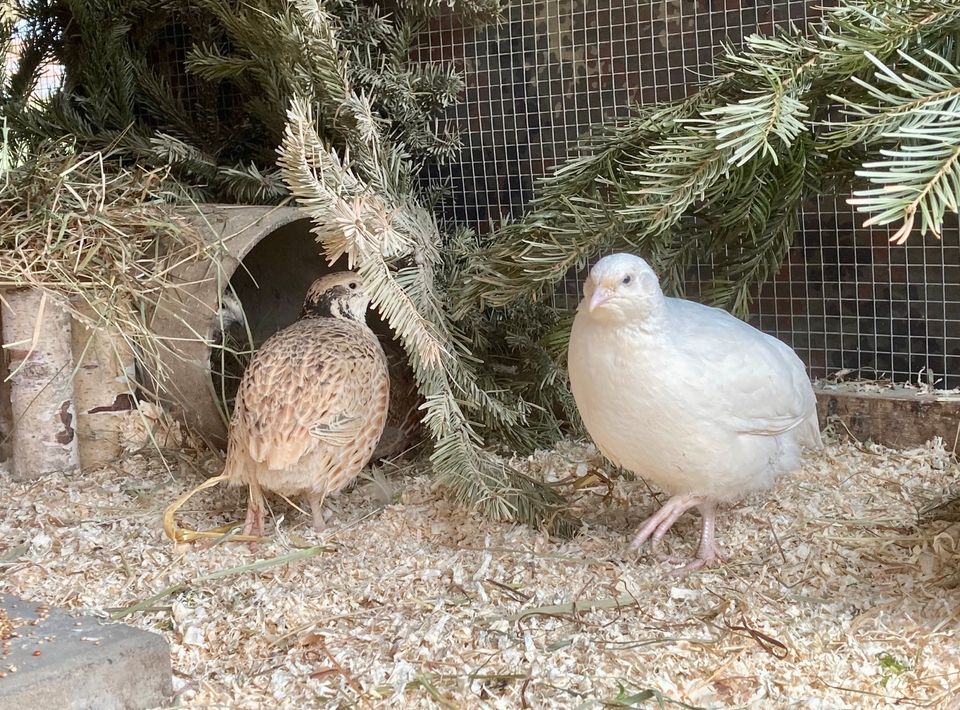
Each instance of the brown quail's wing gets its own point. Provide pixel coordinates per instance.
(306, 388)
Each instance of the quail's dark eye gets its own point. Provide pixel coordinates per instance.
(627, 279)
(352, 285)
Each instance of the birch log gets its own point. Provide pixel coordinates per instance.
(6, 414)
(36, 335)
(103, 390)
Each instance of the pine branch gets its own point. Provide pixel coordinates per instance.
(748, 126)
(640, 182)
(212, 64)
(917, 122)
(392, 242)
(921, 175)
(910, 102)
(470, 12)
(628, 212)
(753, 238)
(225, 92)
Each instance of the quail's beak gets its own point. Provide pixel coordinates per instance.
(600, 296)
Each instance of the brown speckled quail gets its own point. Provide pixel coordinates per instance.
(312, 403)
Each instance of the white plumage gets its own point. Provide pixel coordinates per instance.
(689, 397)
(229, 316)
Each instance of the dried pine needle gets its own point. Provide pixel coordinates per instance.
(220, 574)
(575, 607)
(178, 534)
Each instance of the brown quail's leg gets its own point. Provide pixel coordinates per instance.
(316, 508)
(255, 506)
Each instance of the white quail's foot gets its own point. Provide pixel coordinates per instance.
(710, 560)
(657, 525)
(708, 554)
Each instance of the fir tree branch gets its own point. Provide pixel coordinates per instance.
(748, 125)
(907, 103)
(921, 175)
(470, 12)
(767, 99)
(393, 245)
(918, 118)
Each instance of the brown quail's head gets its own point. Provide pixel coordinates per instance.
(341, 295)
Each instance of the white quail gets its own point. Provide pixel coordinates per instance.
(689, 397)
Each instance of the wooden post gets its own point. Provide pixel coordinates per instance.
(102, 386)
(36, 335)
(6, 413)
(898, 418)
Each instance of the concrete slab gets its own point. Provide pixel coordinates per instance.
(51, 658)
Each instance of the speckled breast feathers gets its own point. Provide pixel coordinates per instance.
(312, 403)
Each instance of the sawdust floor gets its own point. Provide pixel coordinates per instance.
(838, 592)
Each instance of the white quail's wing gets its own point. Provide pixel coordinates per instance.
(305, 388)
(748, 379)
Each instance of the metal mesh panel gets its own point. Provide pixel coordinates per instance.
(845, 298)
(50, 76)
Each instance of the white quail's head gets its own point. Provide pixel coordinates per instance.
(621, 287)
(340, 295)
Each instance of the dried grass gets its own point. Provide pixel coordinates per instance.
(837, 593)
(108, 240)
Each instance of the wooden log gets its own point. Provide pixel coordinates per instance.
(6, 412)
(103, 387)
(899, 418)
(36, 335)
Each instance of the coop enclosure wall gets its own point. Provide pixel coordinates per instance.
(845, 298)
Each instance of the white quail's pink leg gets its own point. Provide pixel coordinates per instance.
(708, 554)
(656, 526)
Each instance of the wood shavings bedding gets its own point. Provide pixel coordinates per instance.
(883, 387)
(837, 592)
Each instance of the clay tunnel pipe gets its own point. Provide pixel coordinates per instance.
(182, 312)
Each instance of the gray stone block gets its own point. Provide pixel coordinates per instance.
(56, 660)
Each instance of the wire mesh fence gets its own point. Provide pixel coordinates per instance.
(846, 300)
(50, 77)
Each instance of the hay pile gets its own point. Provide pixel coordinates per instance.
(838, 592)
(105, 237)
